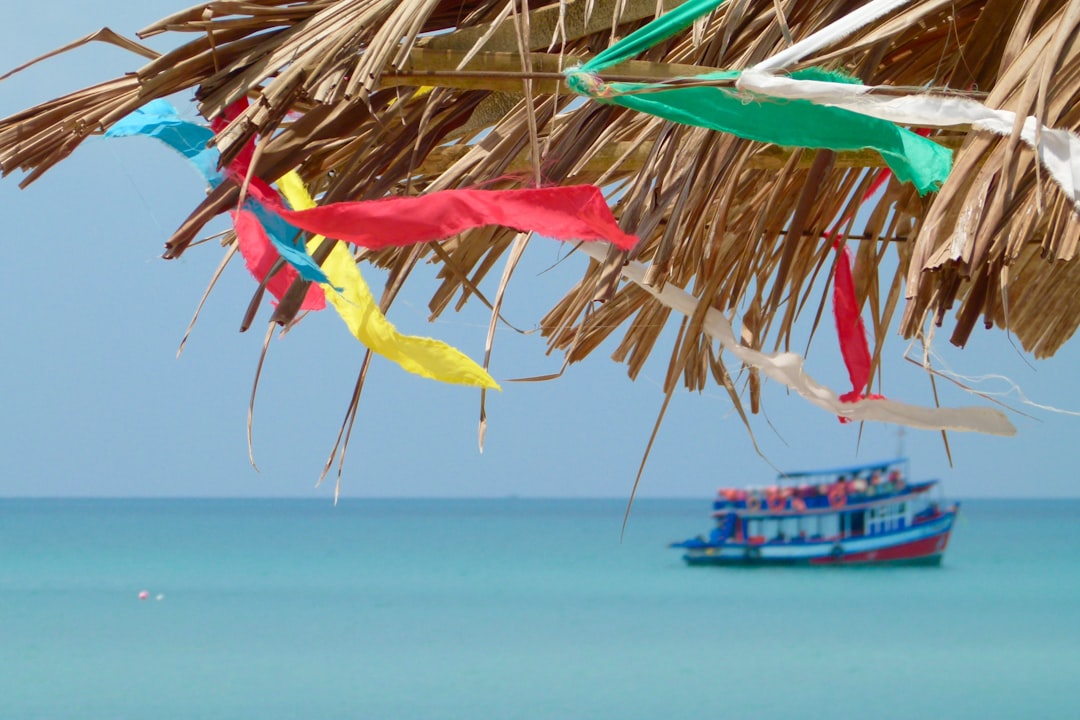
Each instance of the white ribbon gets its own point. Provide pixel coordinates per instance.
(787, 368)
(829, 34)
(1057, 150)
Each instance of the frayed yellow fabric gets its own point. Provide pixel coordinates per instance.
(357, 307)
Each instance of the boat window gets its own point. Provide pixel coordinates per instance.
(829, 525)
(858, 523)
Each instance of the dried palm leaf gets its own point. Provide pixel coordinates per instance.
(369, 98)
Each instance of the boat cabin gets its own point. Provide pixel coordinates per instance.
(808, 515)
(825, 504)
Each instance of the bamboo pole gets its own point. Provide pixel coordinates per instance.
(634, 154)
(503, 71)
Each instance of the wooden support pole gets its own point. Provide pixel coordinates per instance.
(634, 154)
(503, 71)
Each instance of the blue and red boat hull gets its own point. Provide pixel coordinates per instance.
(921, 544)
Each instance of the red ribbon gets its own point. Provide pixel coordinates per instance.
(850, 328)
(255, 247)
(576, 212)
(260, 256)
(849, 325)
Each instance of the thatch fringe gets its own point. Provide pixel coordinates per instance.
(336, 89)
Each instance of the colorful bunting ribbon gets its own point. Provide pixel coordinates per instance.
(1058, 150)
(261, 236)
(667, 25)
(357, 307)
(575, 212)
(787, 368)
(255, 225)
(267, 229)
(857, 19)
(850, 330)
(849, 327)
(792, 124)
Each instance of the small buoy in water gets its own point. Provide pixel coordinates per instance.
(159, 597)
(144, 594)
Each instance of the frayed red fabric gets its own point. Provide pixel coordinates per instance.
(850, 329)
(575, 212)
(260, 256)
(849, 326)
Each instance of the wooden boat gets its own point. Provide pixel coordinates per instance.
(862, 514)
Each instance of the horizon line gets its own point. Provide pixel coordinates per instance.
(960, 498)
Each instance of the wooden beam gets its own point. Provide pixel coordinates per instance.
(502, 71)
(769, 157)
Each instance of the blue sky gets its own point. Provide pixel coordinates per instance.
(97, 404)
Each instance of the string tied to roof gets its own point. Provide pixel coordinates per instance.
(587, 83)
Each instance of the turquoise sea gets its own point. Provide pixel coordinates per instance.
(281, 609)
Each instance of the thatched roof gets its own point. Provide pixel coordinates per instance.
(369, 98)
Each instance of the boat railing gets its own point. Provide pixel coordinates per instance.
(834, 499)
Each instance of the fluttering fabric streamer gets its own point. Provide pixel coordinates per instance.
(256, 224)
(261, 236)
(787, 368)
(575, 212)
(855, 20)
(849, 328)
(159, 120)
(792, 124)
(286, 239)
(357, 307)
(1058, 150)
(264, 234)
(667, 25)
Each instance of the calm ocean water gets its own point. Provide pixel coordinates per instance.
(515, 609)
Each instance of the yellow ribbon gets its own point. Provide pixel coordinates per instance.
(357, 307)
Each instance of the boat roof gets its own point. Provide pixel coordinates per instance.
(846, 470)
(853, 503)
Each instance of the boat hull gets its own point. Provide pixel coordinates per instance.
(922, 544)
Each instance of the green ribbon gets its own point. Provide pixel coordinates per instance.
(789, 123)
(656, 32)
